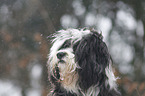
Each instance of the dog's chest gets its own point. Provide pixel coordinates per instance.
(69, 81)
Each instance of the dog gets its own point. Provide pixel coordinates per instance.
(79, 64)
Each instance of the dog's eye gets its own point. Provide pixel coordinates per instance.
(66, 44)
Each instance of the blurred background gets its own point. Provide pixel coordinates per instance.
(25, 27)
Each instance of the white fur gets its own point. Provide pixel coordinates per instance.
(92, 91)
(73, 34)
(111, 78)
(68, 75)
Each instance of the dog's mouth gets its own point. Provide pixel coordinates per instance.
(61, 61)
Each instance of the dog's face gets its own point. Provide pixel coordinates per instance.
(78, 59)
(62, 53)
(62, 61)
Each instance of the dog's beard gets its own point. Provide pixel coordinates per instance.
(67, 67)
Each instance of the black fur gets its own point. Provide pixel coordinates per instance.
(61, 92)
(93, 57)
(105, 91)
(66, 44)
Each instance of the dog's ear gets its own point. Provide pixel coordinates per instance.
(92, 56)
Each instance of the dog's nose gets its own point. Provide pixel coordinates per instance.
(60, 55)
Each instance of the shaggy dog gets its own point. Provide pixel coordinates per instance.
(79, 64)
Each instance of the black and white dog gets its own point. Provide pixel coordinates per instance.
(79, 64)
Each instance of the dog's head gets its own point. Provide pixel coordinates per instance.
(79, 59)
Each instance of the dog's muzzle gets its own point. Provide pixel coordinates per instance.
(60, 56)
